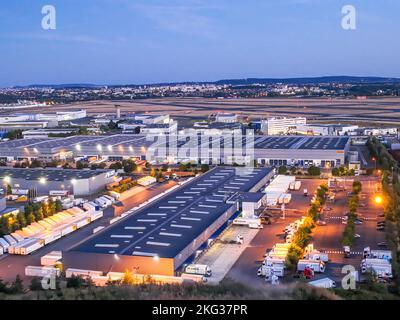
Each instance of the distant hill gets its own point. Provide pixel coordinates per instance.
(60, 86)
(311, 80)
(248, 81)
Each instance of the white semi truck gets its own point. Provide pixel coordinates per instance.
(326, 283)
(275, 269)
(380, 267)
(201, 269)
(316, 255)
(377, 254)
(316, 266)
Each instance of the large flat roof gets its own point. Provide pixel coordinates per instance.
(48, 174)
(170, 224)
(128, 143)
(301, 142)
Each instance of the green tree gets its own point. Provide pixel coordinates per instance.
(17, 286)
(335, 172)
(182, 167)
(9, 189)
(159, 174)
(205, 168)
(129, 166)
(80, 165)
(76, 282)
(21, 219)
(36, 164)
(6, 226)
(357, 187)
(30, 218)
(4, 286)
(116, 166)
(314, 171)
(58, 206)
(15, 134)
(282, 170)
(35, 285)
(39, 214)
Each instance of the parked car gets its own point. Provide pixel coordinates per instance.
(357, 221)
(321, 223)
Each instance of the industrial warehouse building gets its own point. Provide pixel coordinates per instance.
(324, 151)
(42, 181)
(159, 238)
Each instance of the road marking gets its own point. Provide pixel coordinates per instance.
(338, 218)
(356, 253)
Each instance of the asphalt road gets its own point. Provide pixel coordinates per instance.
(245, 268)
(11, 265)
(328, 238)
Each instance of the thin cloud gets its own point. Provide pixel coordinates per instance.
(186, 17)
(49, 36)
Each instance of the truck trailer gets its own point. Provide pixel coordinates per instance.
(316, 266)
(326, 283)
(201, 269)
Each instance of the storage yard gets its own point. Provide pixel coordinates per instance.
(48, 230)
(162, 236)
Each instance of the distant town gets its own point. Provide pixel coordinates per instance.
(246, 88)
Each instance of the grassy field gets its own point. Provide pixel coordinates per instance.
(385, 110)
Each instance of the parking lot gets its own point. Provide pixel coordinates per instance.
(245, 268)
(326, 238)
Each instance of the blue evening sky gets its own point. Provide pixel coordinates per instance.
(147, 41)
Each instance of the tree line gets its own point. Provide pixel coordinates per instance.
(302, 236)
(353, 203)
(32, 212)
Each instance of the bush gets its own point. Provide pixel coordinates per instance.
(314, 171)
(76, 282)
(35, 285)
(282, 170)
(293, 256)
(357, 187)
(335, 172)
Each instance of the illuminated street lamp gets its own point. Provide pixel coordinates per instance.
(73, 181)
(378, 199)
(99, 147)
(7, 179)
(109, 147)
(78, 147)
(374, 160)
(42, 180)
(156, 258)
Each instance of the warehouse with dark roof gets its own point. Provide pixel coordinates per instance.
(301, 151)
(160, 237)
